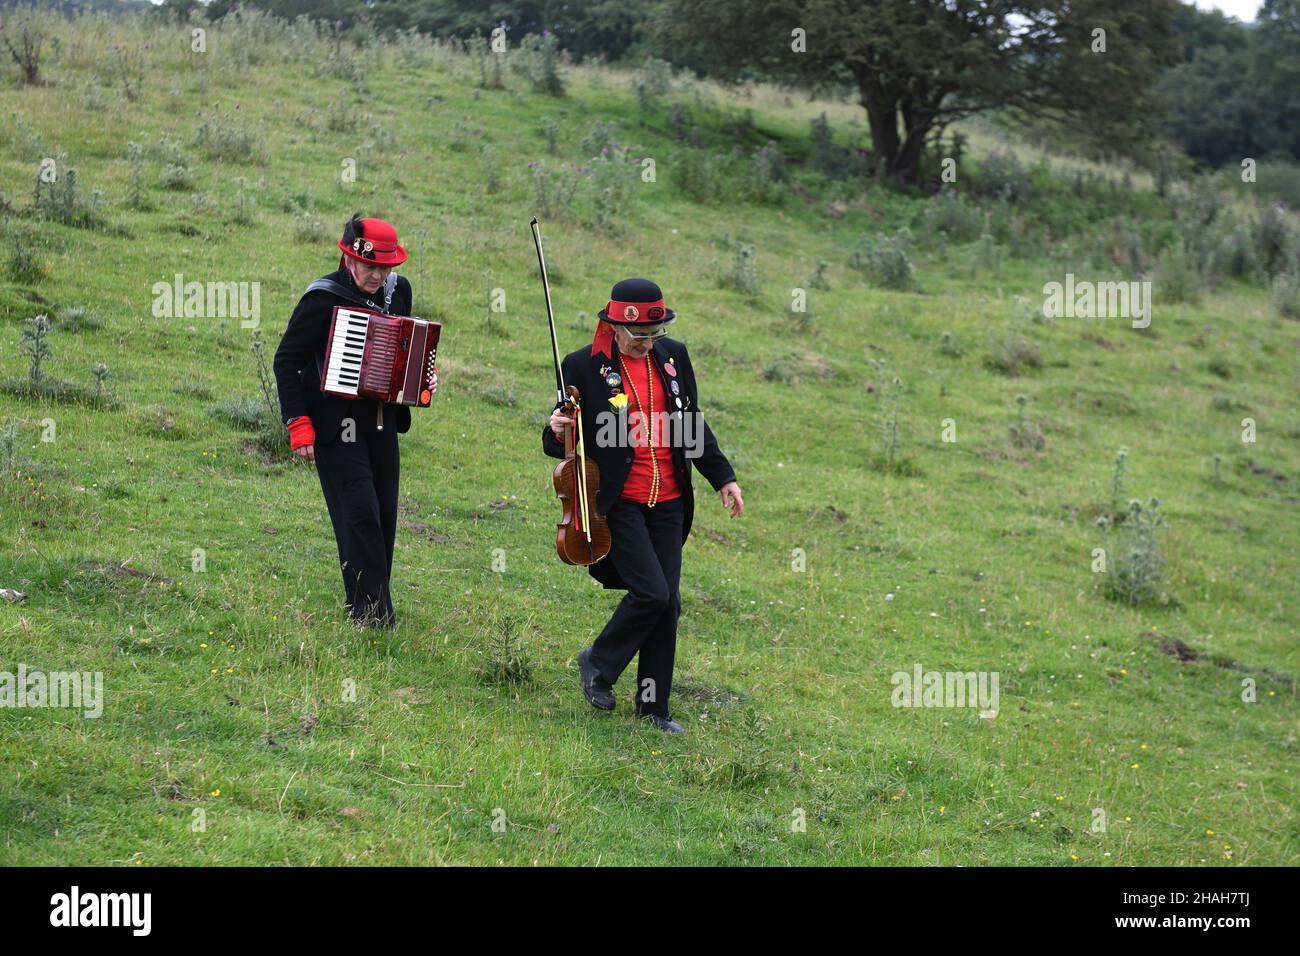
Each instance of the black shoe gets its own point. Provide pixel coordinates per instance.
(666, 724)
(599, 694)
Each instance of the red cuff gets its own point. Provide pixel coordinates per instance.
(301, 434)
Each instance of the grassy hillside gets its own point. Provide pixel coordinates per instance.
(227, 689)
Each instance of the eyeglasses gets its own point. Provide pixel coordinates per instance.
(650, 336)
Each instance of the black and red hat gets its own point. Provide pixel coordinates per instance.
(631, 302)
(372, 241)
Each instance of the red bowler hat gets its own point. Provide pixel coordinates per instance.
(632, 302)
(372, 241)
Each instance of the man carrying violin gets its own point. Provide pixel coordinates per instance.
(640, 405)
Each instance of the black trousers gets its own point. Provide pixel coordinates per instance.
(359, 479)
(647, 551)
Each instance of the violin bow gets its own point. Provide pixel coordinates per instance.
(562, 396)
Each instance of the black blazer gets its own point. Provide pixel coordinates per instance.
(614, 459)
(300, 359)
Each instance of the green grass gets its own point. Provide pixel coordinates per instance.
(783, 678)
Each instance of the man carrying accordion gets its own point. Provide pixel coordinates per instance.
(348, 369)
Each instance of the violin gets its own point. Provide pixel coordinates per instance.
(582, 536)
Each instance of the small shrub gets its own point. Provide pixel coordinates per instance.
(1286, 294)
(743, 274)
(554, 188)
(887, 262)
(950, 214)
(36, 347)
(77, 318)
(538, 61)
(698, 174)
(600, 137)
(550, 132)
(242, 412)
(1177, 278)
(1011, 353)
(1118, 474)
(508, 660)
(62, 199)
(1025, 433)
(1003, 176)
(1274, 244)
(949, 345)
(1136, 564)
(24, 265)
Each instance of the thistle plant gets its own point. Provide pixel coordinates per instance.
(100, 371)
(35, 345)
(1117, 480)
(1137, 568)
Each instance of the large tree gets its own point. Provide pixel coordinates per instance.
(918, 65)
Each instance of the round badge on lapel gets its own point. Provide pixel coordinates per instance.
(613, 380)
(673, 385)
(671, 369)
(678, 401)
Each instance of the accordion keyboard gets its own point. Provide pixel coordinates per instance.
(346, 352)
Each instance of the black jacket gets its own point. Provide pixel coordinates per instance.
(583, 370)
(301, 357)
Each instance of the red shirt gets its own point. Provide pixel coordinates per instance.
(638, 381)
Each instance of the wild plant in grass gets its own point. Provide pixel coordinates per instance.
(699, 175)
(241, 213)
(63, 200)
(100, 372)
(538, 61)
(76, 318)
(950, 214)
(36, 347)
(824, 158)
(1177, 275)
(655, 76)
(176, 168)
(1136, 567)
(892, 400)
(679, 123)
(9, 448)
(986, 257)
(489, 63)
(24, 265)
(600, 137)
(242, 412)
(818, 278)
(743, 273)
(550, 131)
(508, 660)
(1285, 293)
(137, 195)
(1025, 433)
(887, 261)
(1274, 244)
(611, 177)
(1217, 469)
(272, 437)
(554, 188)
(1002, 176)
(1011, 352)
(950, 345)
(229, 137)
(127, 68)
(24, 40)
(1118, 474)
(1235, 254)
(763, 178)
(308, 229)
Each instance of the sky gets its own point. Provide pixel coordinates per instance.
(1243, 10)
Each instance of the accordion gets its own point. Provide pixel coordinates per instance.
(375, 355)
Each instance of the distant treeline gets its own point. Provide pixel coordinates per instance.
(1221, 90)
